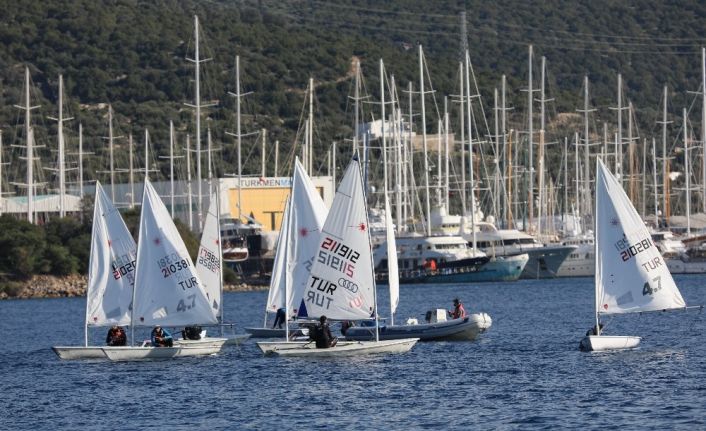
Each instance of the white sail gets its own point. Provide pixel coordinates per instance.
(281, 275)
(112, 267)
(341, 282)
(208, 261)
(631, 275)
(307, 216)
(393, 275)
(167, 288)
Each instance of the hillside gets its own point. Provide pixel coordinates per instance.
(132, 54)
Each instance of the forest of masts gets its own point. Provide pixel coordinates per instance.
(472, 156)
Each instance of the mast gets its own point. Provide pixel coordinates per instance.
(496, 155)
(530, 190)
(396, 132)
(542, 130)
(687, 174)
(382, 126)
(209, 149)
(1, 164)
(357, 108)
(197, 100)
(62, 150)
(503, 127)
(631, 156)
(80, 160)
(654, 175)
(333, 163)
(188, 183)
(619, 152)
(111, 151)
(264, 146)
(446, 154)
(703, 126)
(220, 252)
(310, 150)
(132, 179)
(424, 143)
(462, 115)
(171, 166)
(469, 124)
(147, 154)
(595, 254)
(566, 180)
(30, 149)
(665, 177)
(276, 158)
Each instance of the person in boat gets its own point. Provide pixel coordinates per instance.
(458, 312)
(345, 326)
(430, 265)
(322, 335)
(116, 336)
(280, 318)
(161, 337)
(593, 330)
(191, 333)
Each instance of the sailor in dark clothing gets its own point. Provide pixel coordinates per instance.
(161, 337)
(322, 335)
(191, 333)
(280, 318)
(593, 330)
(116, 336)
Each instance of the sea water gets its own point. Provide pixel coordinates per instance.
(526, 372)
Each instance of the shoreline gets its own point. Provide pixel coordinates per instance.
(49, 286)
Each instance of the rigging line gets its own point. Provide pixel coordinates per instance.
(454, 19)
(453, 22)
(525, 42)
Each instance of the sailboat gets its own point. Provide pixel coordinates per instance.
(110, 276)
(167, 290)
(437, 329)
(341, 282)
(209, 267)
(631, 275)
(298, 242)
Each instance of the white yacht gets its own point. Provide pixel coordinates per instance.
(543, 260)
(581, 261)
(445, 259)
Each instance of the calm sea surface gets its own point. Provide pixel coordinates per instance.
(525, 373)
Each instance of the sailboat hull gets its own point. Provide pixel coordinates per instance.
(273, 332)
(466, 329)
(153, 353)
(599, 343)
(203, 342)
(356, 348)
(79, 352)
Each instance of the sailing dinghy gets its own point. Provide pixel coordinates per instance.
(209, 266)
(168, 291)
(631, 275)
(304, 217)
(110, 276)
(341, 282)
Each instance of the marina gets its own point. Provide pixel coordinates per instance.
(433, 215)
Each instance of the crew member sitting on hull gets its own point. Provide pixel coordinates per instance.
(161, 337)
(116, 336)
(191, 333)
(321, 334)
